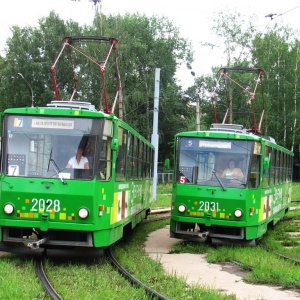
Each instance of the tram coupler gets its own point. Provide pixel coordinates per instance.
(36, 244)
(203, 235)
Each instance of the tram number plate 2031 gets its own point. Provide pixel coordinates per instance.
(206, 206)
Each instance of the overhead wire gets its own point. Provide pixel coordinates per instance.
(273, 16)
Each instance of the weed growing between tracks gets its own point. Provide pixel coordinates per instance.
(96, 279)
(90, 279)
(18, 279)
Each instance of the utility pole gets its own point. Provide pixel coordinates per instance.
(198, 109)
(198, 112)
(155, 137)
(32, 97)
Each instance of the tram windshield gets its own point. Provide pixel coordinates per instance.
(213, 162)
(56, 147)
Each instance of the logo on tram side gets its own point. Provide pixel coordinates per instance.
(271, 203)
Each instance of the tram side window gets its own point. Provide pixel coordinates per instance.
(277, 167)
(272, 168)
(150, 158)
(134, 164)
(266, 173)
(104, 165)
(145, 162)
(289, 168)
(254, 172)
(121, 154)
(281, 167)
(128, 169)
(285, 158)
(140, 160)
(254, 177)
(131, 172)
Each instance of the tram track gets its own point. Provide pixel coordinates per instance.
(54, 295)
(135, 282)
(294, 261)
(159, 215)
(269, 250)
(131, 278)
(39, 268)
(156, 215)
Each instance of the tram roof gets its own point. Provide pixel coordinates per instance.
(230, 131)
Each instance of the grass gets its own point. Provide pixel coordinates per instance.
(296, 191)
(163, 196)
(269, 268)
(154, 276)
(18, 280)
(96, 279)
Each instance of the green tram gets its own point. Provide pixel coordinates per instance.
(215, 202)
(45, 203)
(206, 203)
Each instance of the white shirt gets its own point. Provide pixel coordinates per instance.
(75, 165)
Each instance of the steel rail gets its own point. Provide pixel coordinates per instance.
(44, 280)
(131, 278)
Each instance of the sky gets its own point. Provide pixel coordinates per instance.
(194, 18)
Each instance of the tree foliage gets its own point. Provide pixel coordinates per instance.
(144, 45)
(276, 52)
(147, 43)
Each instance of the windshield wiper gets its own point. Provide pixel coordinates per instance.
(219, 180)
(56, 168)
(49, 159)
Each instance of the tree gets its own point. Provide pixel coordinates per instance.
(156, 44)
(31, 52)
(277, 52)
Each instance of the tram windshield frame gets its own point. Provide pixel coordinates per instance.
(41, 146)
(202, 161)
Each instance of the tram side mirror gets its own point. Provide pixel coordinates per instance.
(266, 163)
(115, 144)
(167, 164)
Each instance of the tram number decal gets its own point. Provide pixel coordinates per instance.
(181, 179)
(45, 205)
(206, 205)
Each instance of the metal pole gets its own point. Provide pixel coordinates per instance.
(198, 113)
(32, 99)
(155, 137)
(197, 105)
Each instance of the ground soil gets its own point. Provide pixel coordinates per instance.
(195, 269)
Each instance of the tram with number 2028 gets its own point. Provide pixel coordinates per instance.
(215, 202)
(45, 204)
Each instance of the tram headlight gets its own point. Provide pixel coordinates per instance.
(238, 213)
(181, 208)
(8, 209)
(83, 213)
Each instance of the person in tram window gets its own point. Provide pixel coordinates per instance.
(232, 172)
(78, 161)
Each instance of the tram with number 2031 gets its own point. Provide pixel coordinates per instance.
(48, 204)
(230, 183)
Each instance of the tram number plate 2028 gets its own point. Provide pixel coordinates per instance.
(206, 206)
(47, 205)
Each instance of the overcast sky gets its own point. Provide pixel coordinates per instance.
(193, 17)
